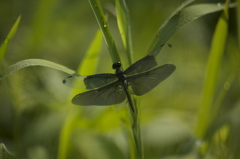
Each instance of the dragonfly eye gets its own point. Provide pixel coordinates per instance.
(116, 65)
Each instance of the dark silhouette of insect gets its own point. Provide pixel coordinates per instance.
(109, 89)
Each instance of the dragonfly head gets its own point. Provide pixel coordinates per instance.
(116, 65)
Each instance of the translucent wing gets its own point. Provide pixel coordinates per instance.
(144, 64)
(148, 62)
(98, 80)
(106, 95)
(144, 82)
(75, 81)
(89, 82)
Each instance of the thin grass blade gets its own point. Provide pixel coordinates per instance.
(4, 153)
(34, 62)
(5, 45)
(238, 21)
(124, 26)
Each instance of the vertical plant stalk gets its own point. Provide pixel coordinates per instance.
(238, 21)
(124, 26)
(136, 131)
(206, 115)
(125, 30)
(98, 12)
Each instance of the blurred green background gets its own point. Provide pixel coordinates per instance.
(34, 104)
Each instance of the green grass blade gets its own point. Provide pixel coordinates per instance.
(98, 12)
(181, 17)
(5, 45)
(91, 59)
(238, 21)
(213, 68)
(34, 62)
(90, 62)
(123, 19)
(124, 26)
(4, 153)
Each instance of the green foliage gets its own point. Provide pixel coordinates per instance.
(102, 22)
(124, 26)
(4, 47)
(34, 62)
(90, 61)
(38, 121)
(180, 18)
(206, 112)
(4, 153)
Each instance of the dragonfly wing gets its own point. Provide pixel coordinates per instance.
(107, 95)
(74, 81)
(89, 82)
(148, 62)
(99, 80)
(144, 82)
(144, 64)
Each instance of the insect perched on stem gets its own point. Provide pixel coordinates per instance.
(109, 89)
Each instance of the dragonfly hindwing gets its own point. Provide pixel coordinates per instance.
(107, 95)
(144, 82)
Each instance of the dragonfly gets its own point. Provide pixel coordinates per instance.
(109, 89)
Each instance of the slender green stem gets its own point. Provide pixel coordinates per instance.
(238, 21)
(124, 26)
(134, 114)
(136, 131)
(98, 12)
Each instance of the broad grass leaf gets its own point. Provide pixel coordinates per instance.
(87, 66)
(91, 59)
(180, 18)
(206, 115)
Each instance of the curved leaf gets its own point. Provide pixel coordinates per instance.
(4, 153)
(181, 17)
(34, 62)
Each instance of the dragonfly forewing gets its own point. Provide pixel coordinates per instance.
(89, 82)
(99, 80)
(144, 64)
(75, 81)
(160, 56)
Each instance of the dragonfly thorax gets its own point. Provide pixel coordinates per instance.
(119, 72)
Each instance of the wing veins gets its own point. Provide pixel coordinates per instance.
(146, 81)
(99, 96)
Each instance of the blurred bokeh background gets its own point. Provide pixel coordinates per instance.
(34, 104)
